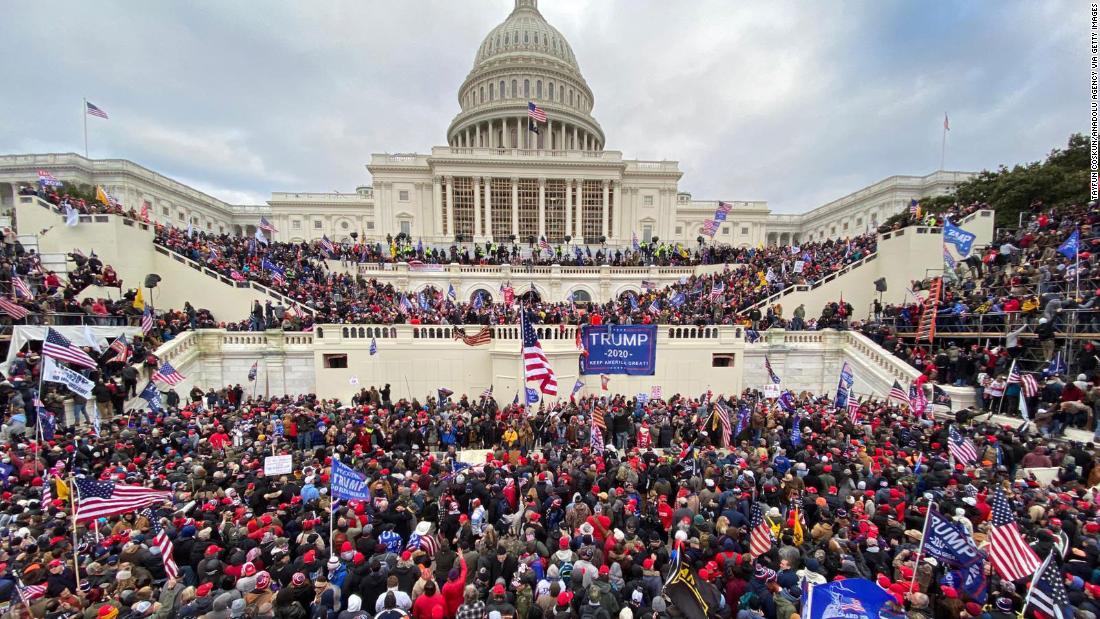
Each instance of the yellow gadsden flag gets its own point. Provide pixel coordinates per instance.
(62, 489)
(139, 301)
(101, 195)
(796, 531)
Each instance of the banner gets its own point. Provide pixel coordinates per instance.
(347, 483)
(620, 349)
(961, 239)
(75, 381)
(426, 267)
(278, 465)
(851, 598)
(844, 387)
(948, 541)
(771, 390)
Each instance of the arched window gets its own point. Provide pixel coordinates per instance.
(506, 38)
(503, 93)
(538, 89)
(570, 97)
(526, 88)
(515, 90)
(481, 95)
(526, 38)
(491, 97)
(551, 88)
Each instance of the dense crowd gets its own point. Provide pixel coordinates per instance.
(550, 522)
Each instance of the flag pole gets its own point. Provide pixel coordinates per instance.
(74, 490)
(84, 113)
(943, 141)
(920, 549)
(331, 501)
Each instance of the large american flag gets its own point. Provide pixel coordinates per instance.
(93, 110)
(717, 290)
(99, 499)
(1028, 385)
(535, 112)
(536, 367)
(961, 448)
(266, 226)
(853, 410)
(327, 245)
(12, 309)
(760, 534)
(57, 346)
(29, 593)
(723, 413)
(483, 336)
(167, 549)
(771, 373)
(168, 374)
(1010, 553)
(899, 394)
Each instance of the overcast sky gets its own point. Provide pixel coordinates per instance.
(796, 103)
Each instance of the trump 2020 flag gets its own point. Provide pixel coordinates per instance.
(347, 483)
(152, 396)
(851, 598)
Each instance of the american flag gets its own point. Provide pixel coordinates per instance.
(15, 311)
(373, 346)
(21, 288)
(483, 336)
(167, 549)
(1010, 553)
(914, 206)
(723, 413)
(327, 245)
(710, 227)
(544, 245)
(1029, 386)
(723, 209)
(168, 374)
(98, 499)
(961, 448)
(266, 226)
(1048, 591)
(717, 290)
(252, 371)
(29, 593)
(47, 493)
(597, 417)
(57, 346)
(1013, 373)
(147, 320)
(605, 380)
(93, 110)
(853, 410)
(760, 534)
(536, 367)
(488, 393)
(122, 349)
(596, 437)
(899, 394)
(535, 112)
(771, 373)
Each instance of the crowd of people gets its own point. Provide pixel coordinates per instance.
(576, 509)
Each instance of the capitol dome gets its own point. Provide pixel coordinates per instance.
(525, 60)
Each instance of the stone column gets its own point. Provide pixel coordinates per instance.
(548, 137)
(542, 208)
(605, 209)
(477, 208)
(488, 208)
(450, 207)
(563, 136)
(519, 134)
(477, 135)
(515, 207)
(580, 211)
(617, 204)
(576, 138)
(437, 202)
(568, 204)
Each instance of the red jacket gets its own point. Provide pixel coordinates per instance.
(452, 589)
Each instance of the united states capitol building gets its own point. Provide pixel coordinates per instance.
(496, 179)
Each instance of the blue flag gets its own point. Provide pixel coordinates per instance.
(347, 483)
(1056, 366)
(786, 402)
(1071, 245)
(152, 396)
(743, 414)
(532, 395)
(796, 432)
(633, 302)
(851, 598)
(677, 300)
(961, 239)
(451, 291)
(373, 346)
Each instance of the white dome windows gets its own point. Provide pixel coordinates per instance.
(503, 93)
(515, 89)
(551, 88)
(527, 89)
(538, 89)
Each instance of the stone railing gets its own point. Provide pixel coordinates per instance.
(816, 284)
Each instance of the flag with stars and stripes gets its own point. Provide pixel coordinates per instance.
(760, 534)
(168, 374)
(252, 371)
(167, 549)
(29, 593)
(488, 393)
(147, 320)
(1010, 553)
(1048, 591)
(536, 366)
(93, 110)
(21, 288)
(723, 413)
(596, 437)
(899, 394)
(961, 448)
(717, 290)
(11, 309)
(266, 226)
(57, 346)
(99, 499)
(1029, 386)
(853, 411)
(535, 112)
(47, 494)
(327, 245)
(771, 373)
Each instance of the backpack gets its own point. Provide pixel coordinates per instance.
(746, 599)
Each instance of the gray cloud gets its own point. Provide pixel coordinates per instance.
(794, 103)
